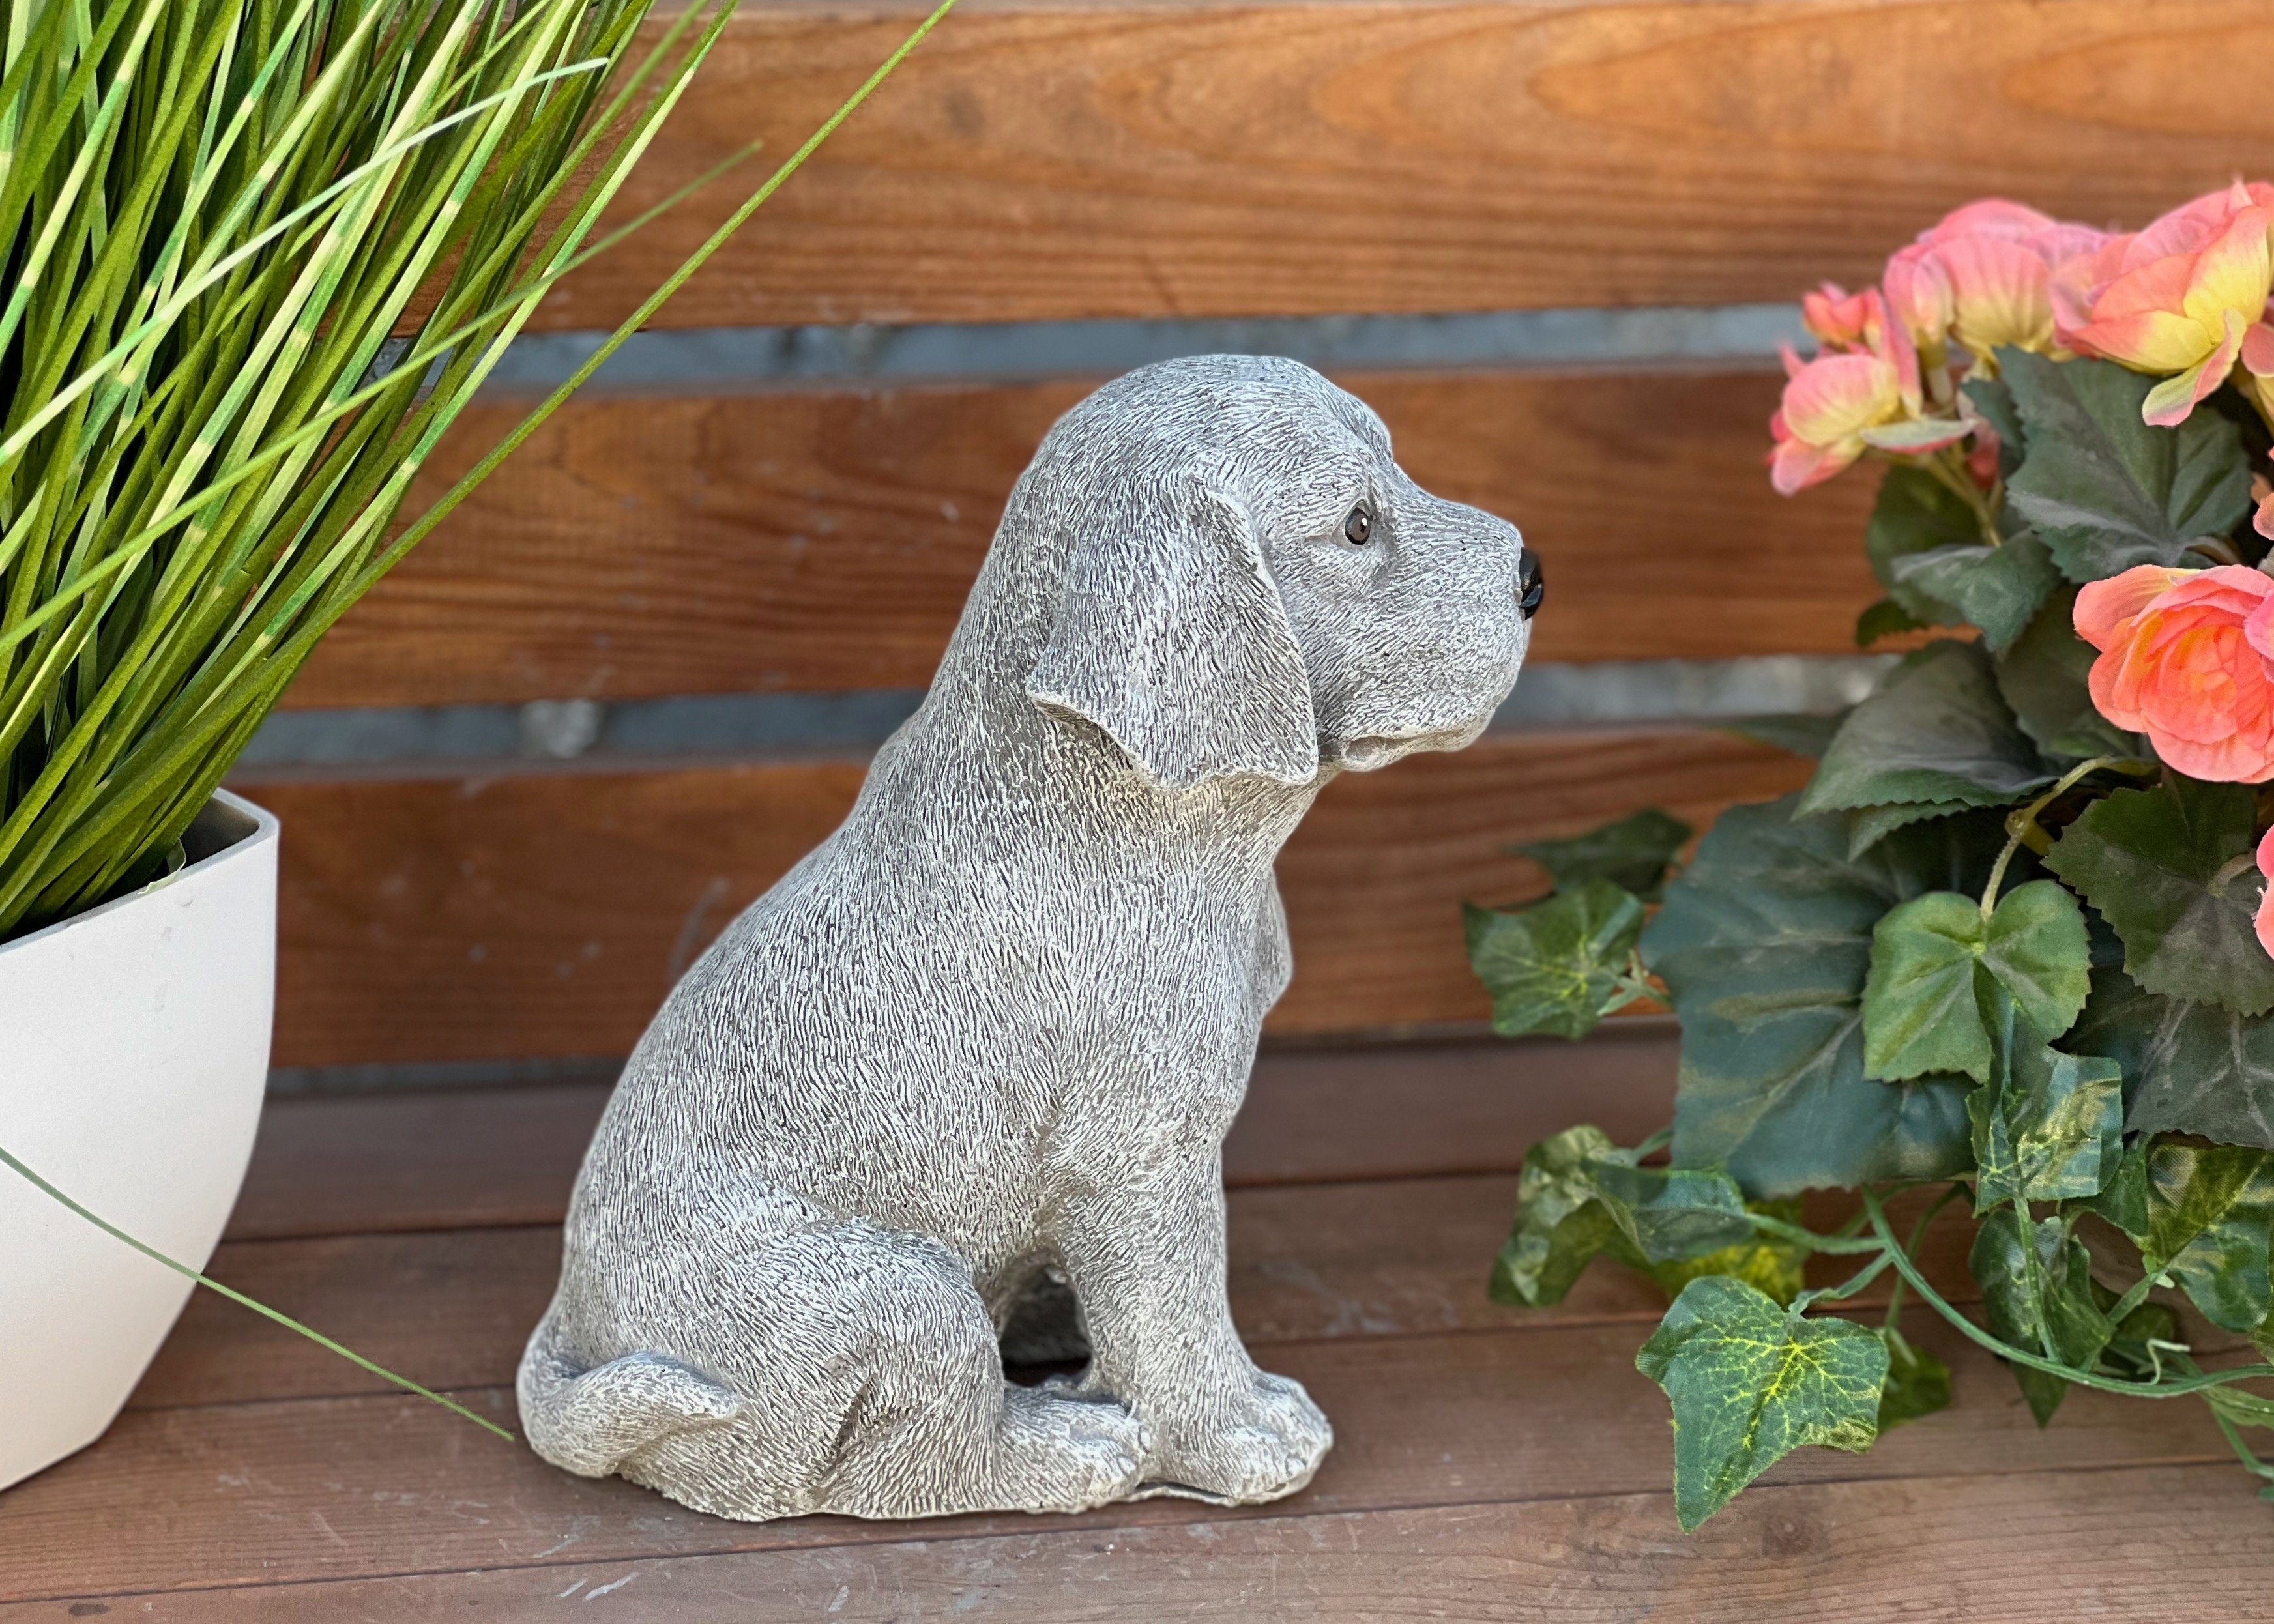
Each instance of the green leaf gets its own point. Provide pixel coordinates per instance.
(2047, 1126)
(1560, 1225)
(1633, 853)
(2106, 490)
(1768, 1263)
(1995, 401)
(1672, 1213)
(1885, 619)
(1800, 733)
(1918, 1384)
(2238, 1408)
(2210, 1213)
(2122, 1197)
(1552, 967)
(1873, 825)
(1750, 1382)
(1764, 942)
(2188, 1068)
(2149, 860)
(1921, 1012)
(1916, 514)
(2053, 1312)
(2042, 675)
(1936, 729)
(2128, 1353)
(1998, 589)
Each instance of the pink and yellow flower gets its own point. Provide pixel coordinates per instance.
(1846, 401)
(2264, 918)
(1982, 276)
(2187, 657)
(2185, 298)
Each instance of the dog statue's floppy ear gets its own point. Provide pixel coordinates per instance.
(1175, 643)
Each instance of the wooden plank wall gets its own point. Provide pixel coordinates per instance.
(1173, 160)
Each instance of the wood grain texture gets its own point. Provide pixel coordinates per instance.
(1309, 1262)
(2030, 1548)
(825, 539)
(546, 912)
(355, 1487)
(395, 1163)
(1062, 160)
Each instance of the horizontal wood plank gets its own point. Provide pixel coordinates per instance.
(538, 912)
(336, 1488)
(824, 539)
(1309, 1262)
(384, 1163)
(2160, 1545)
(1217, 159)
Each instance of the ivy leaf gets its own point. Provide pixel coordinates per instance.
(1918, 1384)
(2128, 1352)
(2060, 1317)
(1768, 1263)
(2189, 1068)
(1921, 1014)
(2105, 490)
(1551, 967)
(1632, 853)
(1998, 589)
(1885, 619)
(2210, 1213)
(2122, 1200)
(2042, 675)
(1560, 1225)
(1750, 1382)
(2149, 860)
(1764, 942)
(2047, 1126)
(1867, 828)
(2241, 1409)
(1916, 514)
(1672, 1213)
(1936, 729)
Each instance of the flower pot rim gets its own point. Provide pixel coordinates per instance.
(263, 828)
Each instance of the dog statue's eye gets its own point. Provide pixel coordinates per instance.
(1357, 529)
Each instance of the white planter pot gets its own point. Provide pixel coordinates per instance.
(133, 1052)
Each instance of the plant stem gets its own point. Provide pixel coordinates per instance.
(2052, 1367)
(1918, 1233)
(2026, 819)
(234, 1295)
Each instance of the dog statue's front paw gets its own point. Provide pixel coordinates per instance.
(1266, 1442)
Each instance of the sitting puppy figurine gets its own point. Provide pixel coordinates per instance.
(977, 1052)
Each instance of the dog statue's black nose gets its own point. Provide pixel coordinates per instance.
(1531, 584)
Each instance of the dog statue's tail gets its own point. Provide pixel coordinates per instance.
(589, 1421)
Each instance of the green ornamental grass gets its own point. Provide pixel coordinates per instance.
(259, 255)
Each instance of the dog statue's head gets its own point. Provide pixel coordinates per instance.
(1241, 580)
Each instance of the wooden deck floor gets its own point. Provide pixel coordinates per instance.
(1492, 1464)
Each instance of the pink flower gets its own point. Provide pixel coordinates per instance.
(1839, 319)
(2187, 657)
(2185, 298)
(1982, 276)
(2264, 918)
(1845, 401)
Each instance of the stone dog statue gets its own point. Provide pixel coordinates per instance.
(976, 1055)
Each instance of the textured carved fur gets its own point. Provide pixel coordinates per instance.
(976, 1055)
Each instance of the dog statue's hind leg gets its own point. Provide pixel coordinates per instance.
(872, 1387)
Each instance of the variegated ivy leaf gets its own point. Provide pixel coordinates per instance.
(1561, 1225)
(1750, 1382)
(1768, 1263)
(2047, 1126)
(1632, 851)
(2061, 1317)
(1551, 967)
(2210, 1224)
